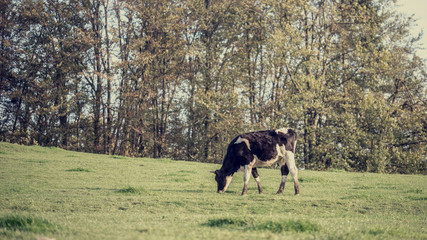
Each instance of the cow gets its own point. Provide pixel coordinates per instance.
(257, 149)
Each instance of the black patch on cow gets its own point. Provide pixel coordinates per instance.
(263, 143)
(237, 155)
(255, 173)
(284, 170)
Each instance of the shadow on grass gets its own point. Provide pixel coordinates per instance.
(132, 190)
(271, 226)
(79, 169)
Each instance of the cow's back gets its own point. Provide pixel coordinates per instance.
(262, 143)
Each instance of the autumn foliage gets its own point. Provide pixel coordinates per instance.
(180, 79)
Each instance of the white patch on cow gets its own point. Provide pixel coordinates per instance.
(257, 180)
(284, 177)
(282, 130)
(227, 183)
(290, 161)
(240, 140)
(283, 150)
(279, 157)
(247, 174)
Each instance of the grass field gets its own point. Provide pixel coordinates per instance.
(57, 194)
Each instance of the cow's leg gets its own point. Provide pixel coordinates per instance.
(290, 161)
(246, 175)
(285, 171)
(256, 176)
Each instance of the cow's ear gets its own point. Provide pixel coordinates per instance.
(215, 172)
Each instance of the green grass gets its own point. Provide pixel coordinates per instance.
(26, 223)
(53, 193)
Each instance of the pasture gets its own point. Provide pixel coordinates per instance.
(57, 194)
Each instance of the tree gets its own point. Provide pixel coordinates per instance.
(45, 57)
(182, 78)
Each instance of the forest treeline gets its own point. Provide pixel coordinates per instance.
(180, 79)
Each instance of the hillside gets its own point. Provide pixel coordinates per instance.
(53, 193)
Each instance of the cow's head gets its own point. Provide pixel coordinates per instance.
(222, 180)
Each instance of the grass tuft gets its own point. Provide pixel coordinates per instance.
(26, 223)
(271, 226)
(223, 222)
(376, 232)
(132, 190)
(417, 190)
(78, 170)
(424, 198)
(290, 225)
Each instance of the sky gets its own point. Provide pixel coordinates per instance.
(419, 9)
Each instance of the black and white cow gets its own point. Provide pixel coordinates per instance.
(255, 149)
